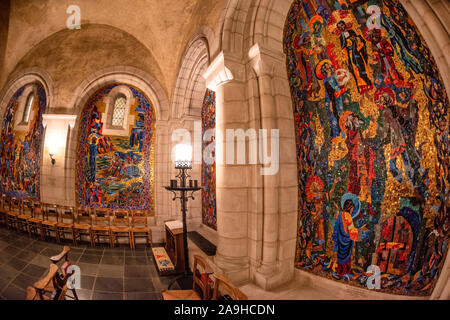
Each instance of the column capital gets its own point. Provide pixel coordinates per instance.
(70, 119)
(265, 61)
(224, 68)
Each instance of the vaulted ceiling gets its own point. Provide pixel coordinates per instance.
(148, 34)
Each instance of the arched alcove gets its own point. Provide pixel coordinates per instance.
(371, 121)
(21, 143)
(115, 171)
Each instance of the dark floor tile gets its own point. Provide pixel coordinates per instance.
(88, 269)
(110, 271)
(87, 282)
(139, 285)
(114, 253)
(94, 251)
(90, 258)
(34, 270)
(26, 255)
(22, 243)
(3, 283)
(84, 294)
(136, 260)
(23, 281)
(74, 257)
(135, 253)
(12, 250)
(8, 273)
(12, 292)
(113, 260)
(132, 271)
(5, 257)
(41, 260)
(109, 284)
(17, 264)
(50, 252)
(107, 295)
(142, 296)
(36, 247)
(76, 250)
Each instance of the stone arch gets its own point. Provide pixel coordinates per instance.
(123, 74)
(25, 77)
(190, 86)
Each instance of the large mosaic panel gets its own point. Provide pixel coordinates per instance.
(116, 172)
(209, 216)
(20, 149)
(371, 119)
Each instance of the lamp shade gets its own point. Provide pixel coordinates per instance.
(183, 155)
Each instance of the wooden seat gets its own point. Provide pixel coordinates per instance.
(3, 204)
(224, 289)
(101, 226)
(51, 219)
(66, 223)
(35, 223)
(200, 280)
(139, 227)
(63, 271)
(82, 225)
(48, 288)
(27, 213)
(121, 227)
(13, 211)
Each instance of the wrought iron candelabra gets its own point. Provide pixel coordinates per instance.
(181, 192)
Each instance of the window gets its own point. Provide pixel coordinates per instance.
(27, 110)
(120, 106)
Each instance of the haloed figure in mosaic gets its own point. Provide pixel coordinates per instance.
(371, 121)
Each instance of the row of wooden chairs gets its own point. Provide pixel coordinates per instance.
(203, 278)
(92, 224)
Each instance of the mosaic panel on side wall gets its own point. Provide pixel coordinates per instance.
(116, 172)
(20, 148)
(209, 216)
(371, 118)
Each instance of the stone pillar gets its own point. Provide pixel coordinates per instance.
(57, 180)
(278, 215)
(226, 76)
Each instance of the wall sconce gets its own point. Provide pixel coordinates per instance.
(53, 159)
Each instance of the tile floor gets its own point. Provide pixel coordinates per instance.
(107, 273)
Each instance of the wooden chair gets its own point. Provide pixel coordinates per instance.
(27, 213)
(139, 227)
(35, 223)
(82, 226)
(121, 227)
(51, 219)
(200, 280)
(14, 210)
(225, 290)
(49, 287)
(63, 271)
(66, 223)
(101, 226)
(3, 210)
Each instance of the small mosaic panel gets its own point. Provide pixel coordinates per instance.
(209, 215)
(371, 119)
(113, 171)
(20, 151)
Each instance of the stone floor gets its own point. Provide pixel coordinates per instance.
(106, 273)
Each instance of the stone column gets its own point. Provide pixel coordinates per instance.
(277, 227)
(57, 180)
(226, 75)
